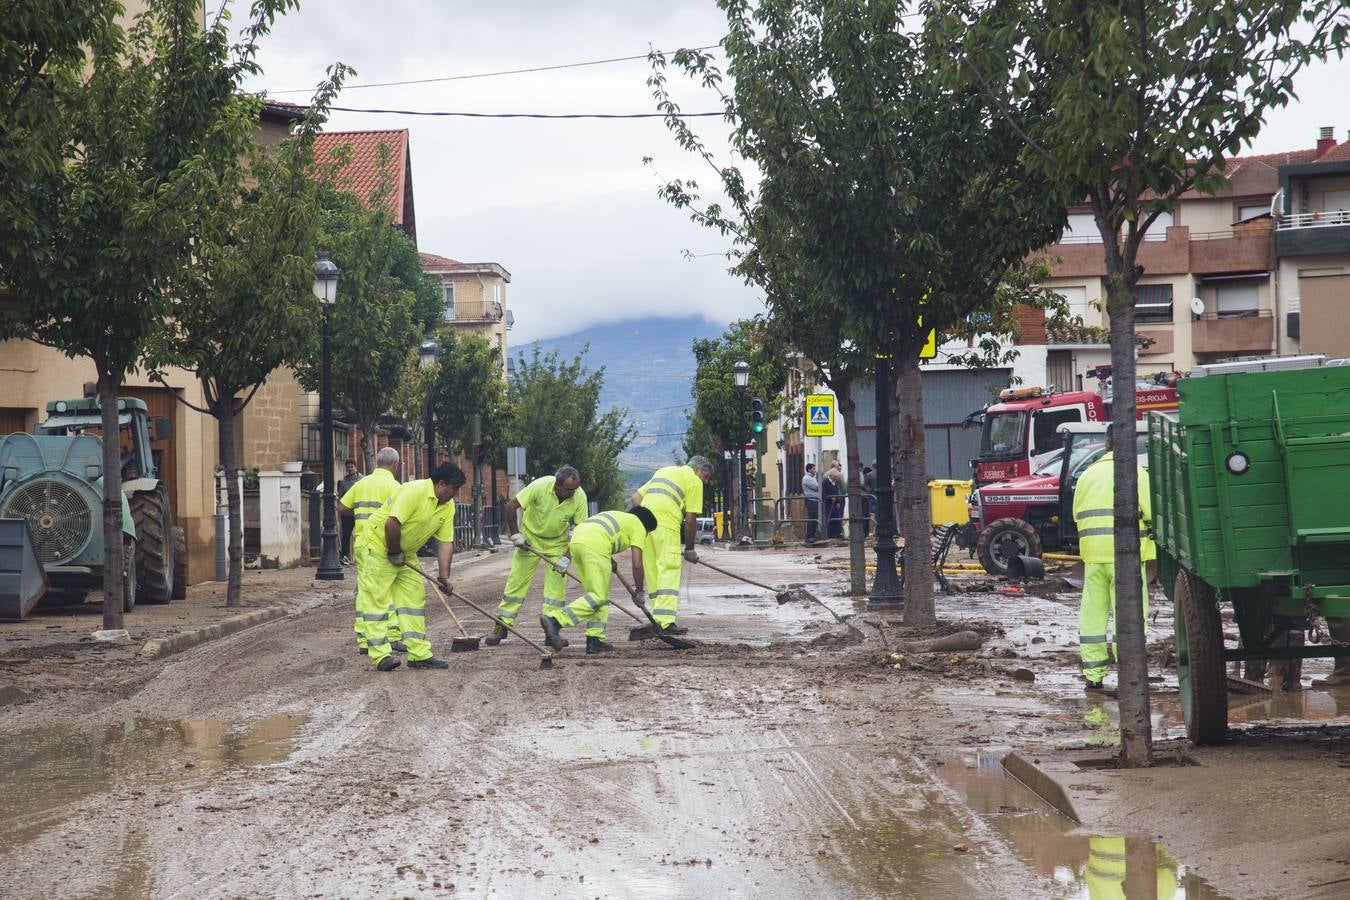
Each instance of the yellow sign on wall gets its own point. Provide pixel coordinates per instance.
(820, 415)
(929, 350)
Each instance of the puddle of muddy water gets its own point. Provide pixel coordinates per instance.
(70, 763)
(1078, 865)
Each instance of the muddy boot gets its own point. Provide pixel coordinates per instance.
(498, 635)
(597, 645)
(388, 664)
(1095, 687)
(431, 662)
(399, 647)
(552, 632)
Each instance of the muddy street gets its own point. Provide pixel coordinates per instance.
(786, 756)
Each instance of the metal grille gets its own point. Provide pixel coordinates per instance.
(58, 518)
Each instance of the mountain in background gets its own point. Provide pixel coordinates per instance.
(649, 369)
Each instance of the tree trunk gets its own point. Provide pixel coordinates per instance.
(912, 472)
(857, 553)
(367, 450)
(1136, 735)
(113, 562)
(235, 531)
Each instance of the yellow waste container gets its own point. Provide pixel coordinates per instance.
(947, 498)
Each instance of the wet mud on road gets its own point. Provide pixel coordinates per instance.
(786, 756)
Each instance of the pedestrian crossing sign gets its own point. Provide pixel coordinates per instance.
(820, 415)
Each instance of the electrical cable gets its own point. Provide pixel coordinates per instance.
(478, 115)
(443, 78)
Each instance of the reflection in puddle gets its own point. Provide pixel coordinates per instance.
(70, 763)
(1081, 866)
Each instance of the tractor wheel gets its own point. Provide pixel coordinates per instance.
(1004, 539)
(1200, 669)
(128, 575)
(154, 546)
(180, 566)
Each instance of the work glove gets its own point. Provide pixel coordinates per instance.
(398, 559)
(560, 566)
(691, 554)
(640, 598)
(518, 539)
(445, 584)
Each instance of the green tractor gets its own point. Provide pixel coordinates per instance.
(51, 486)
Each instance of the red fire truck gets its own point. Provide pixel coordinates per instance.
(1025, 422)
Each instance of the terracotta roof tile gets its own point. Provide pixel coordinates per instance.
(432, 261)
(362, 174)
(1339, 153)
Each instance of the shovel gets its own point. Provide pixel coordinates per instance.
(545, 658)
(463, 643)
(782, 595)
(643, 632)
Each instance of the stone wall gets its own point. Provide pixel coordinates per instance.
(272, 423)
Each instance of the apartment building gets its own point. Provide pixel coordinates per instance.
(475, 299)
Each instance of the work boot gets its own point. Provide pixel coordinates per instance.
(498, 635)
(674, 629)
(552, 632)
(431, 662)
(399, 647)
(597, 645)
(1094, 687)
(388, 664)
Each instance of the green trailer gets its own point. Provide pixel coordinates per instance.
(1251, 507)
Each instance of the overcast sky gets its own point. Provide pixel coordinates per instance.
(567, 206)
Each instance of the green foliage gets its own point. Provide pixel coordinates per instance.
(469, 382)
(717, 408)
(555, 415)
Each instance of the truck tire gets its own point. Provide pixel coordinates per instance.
(1002, 540)
(1200, 669)
(180, 572)
(154, 546)
(128, 575)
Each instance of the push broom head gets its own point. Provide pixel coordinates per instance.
(464, 644)
(545, 662)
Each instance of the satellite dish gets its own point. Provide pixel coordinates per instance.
(1197, 306)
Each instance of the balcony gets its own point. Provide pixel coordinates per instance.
(1245, 247)
(1313, 233)
(1252, 332)
(474, 311)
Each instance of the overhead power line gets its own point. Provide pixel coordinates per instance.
(482, 115)
(443, 78)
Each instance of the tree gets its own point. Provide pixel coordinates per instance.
(555, 415)
(385, 304)
(103, 234)
(409, 400)
(244, 307)
(470, 384)
(1127, 106)
(900, 195)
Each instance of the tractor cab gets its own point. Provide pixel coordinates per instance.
(136, 430)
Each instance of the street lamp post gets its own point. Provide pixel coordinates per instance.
(741, 373)
(325, 288)
(886, 590)
(426, 358)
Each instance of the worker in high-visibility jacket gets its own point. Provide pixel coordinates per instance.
(595, 543)
(675, 495)
(551, 504)
(417, 511)
(360, 501)
(1094, 512)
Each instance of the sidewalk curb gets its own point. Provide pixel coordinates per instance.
(157, 648)
(1045, 780)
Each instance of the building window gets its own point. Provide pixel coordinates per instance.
(1153, 303)
(448, 289)
(1249, 211)
(1081, 229)
(1237, 299)
(1158, 230)
(1075, 298)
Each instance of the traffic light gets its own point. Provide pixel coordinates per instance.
(757, 415)
(478, 453)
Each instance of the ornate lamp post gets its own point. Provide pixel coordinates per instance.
(325, 288)
(426, 358)
(741, 373)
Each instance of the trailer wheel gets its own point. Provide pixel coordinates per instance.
(1004, 539)
(1200, 669)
